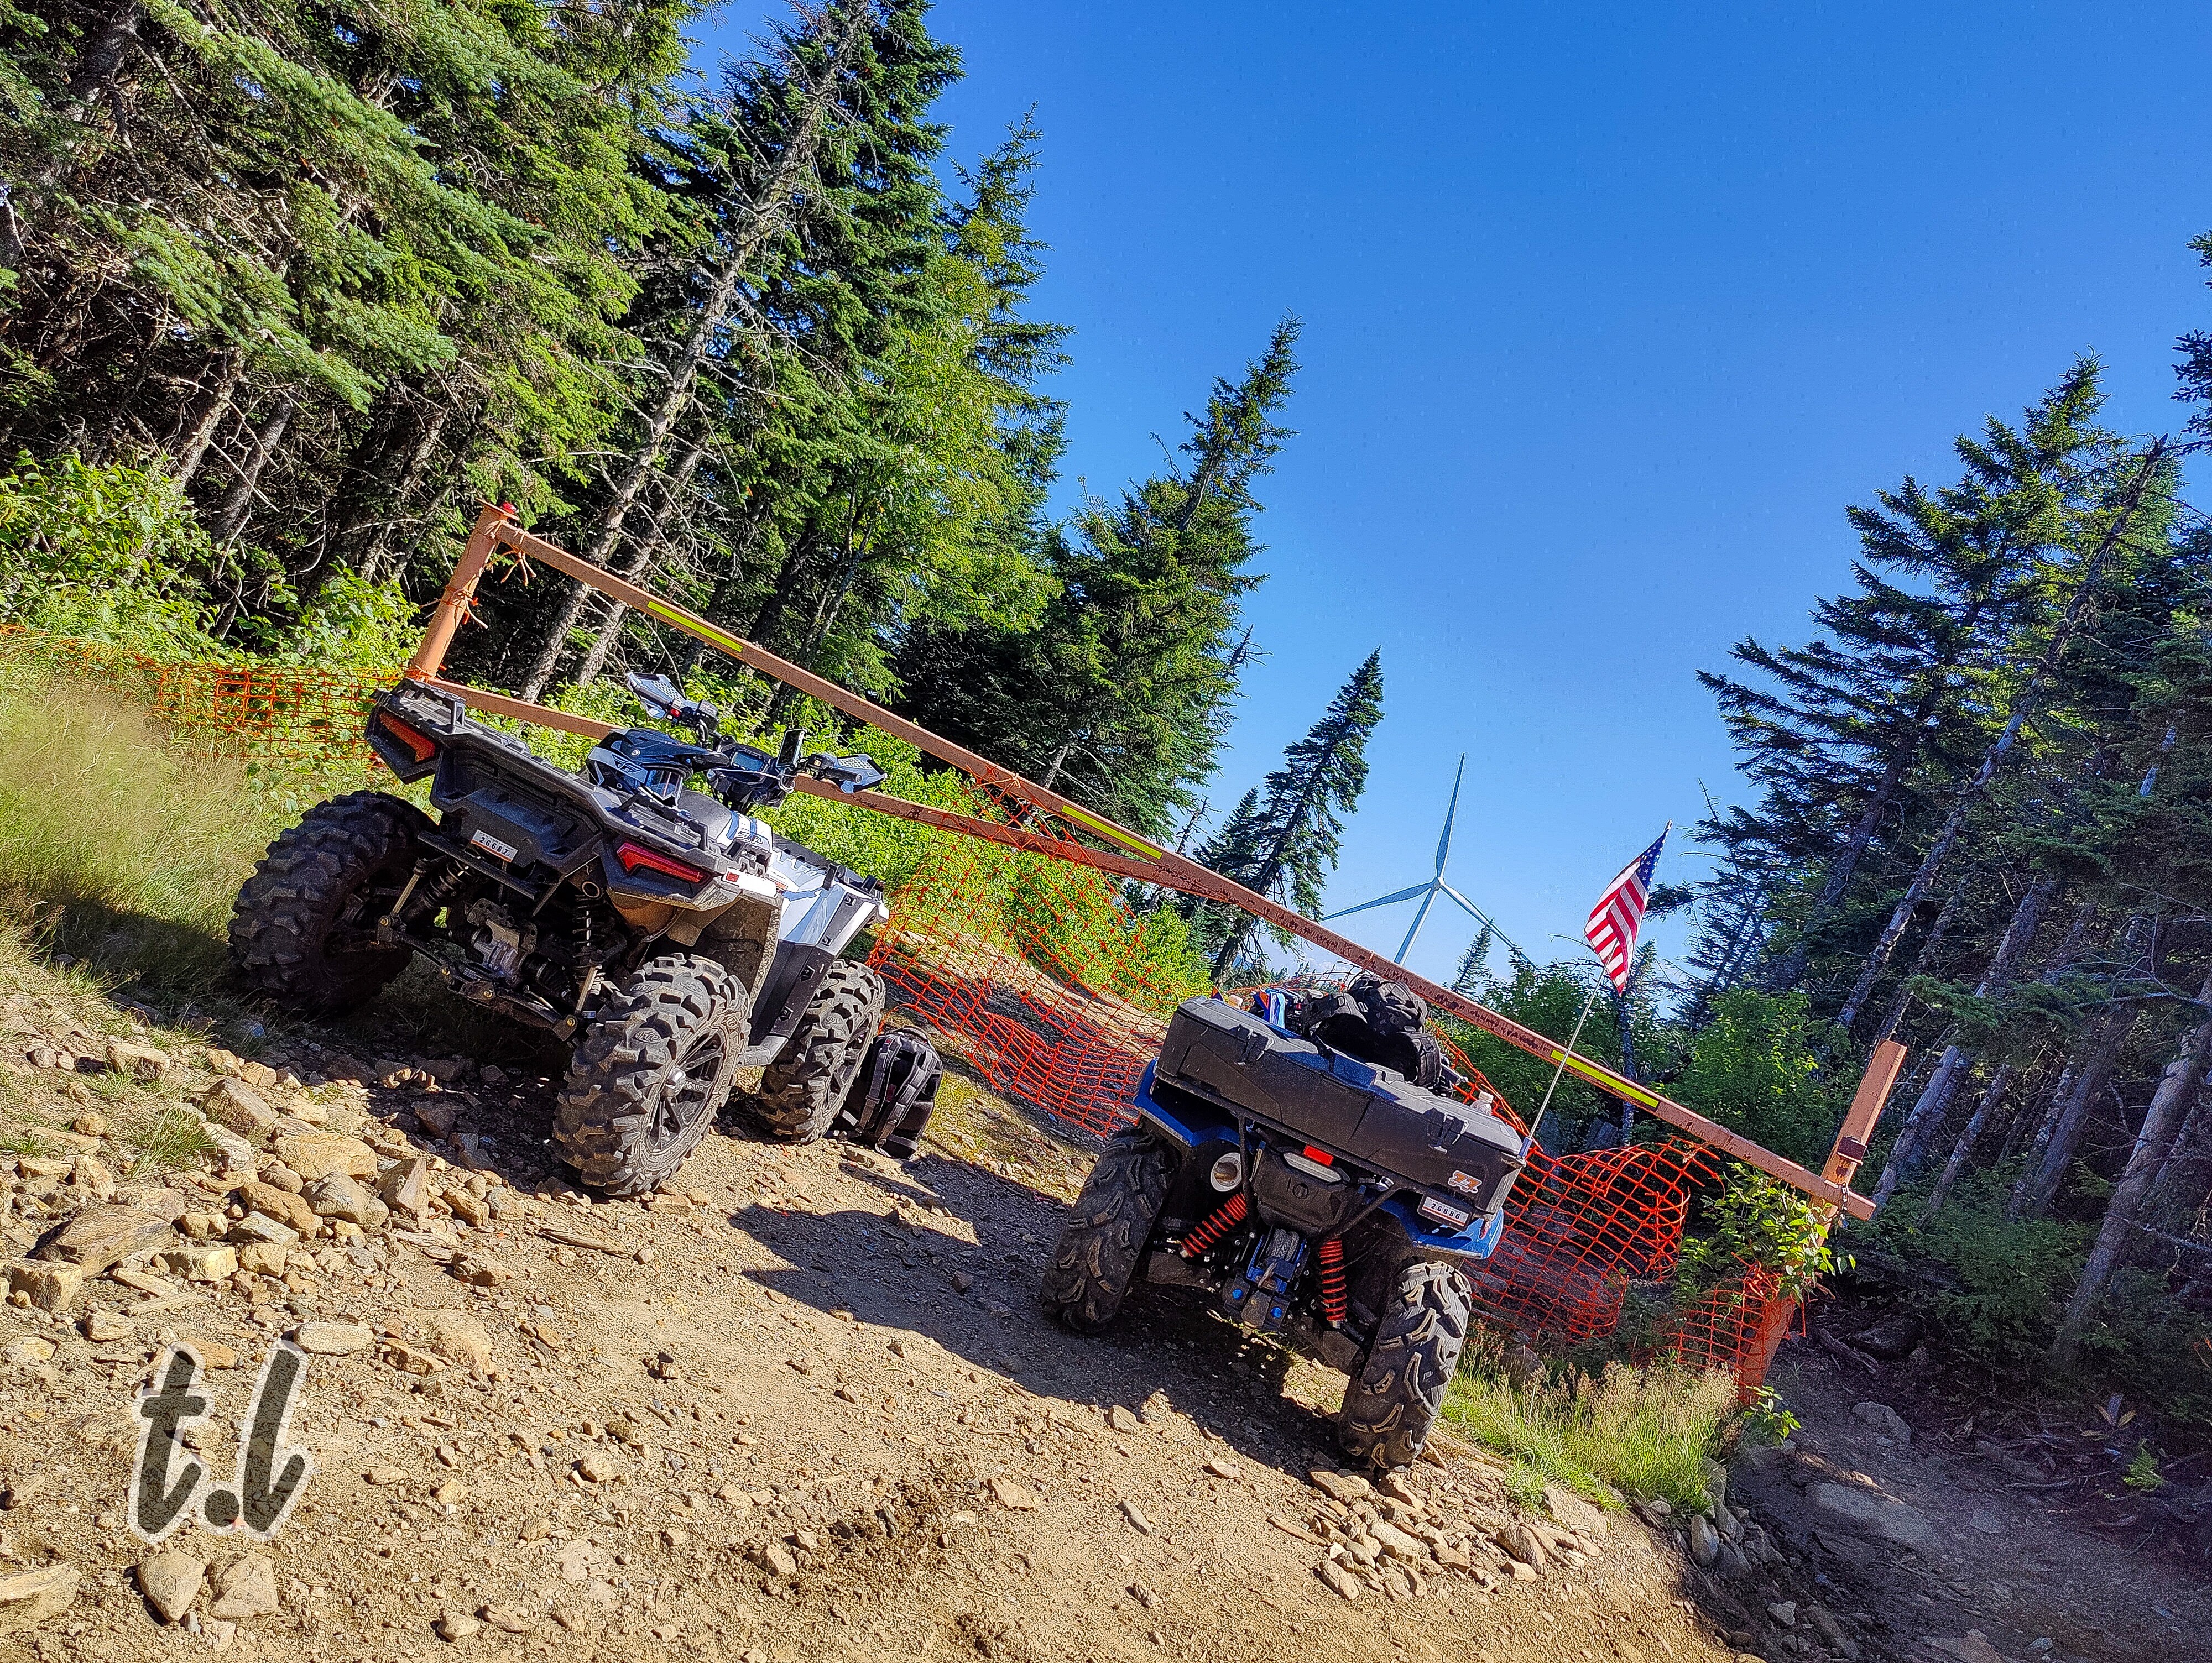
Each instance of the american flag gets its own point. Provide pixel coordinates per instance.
(1612, 921)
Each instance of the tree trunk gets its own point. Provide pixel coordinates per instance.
(96, 72)
(2177, 1089)
(238, 502)
(1959, 1151)
(640, 569)
(1901, 1001)
(375, 547)
(1846, 859)
(771, 205)
(1940, 851)
(210, 418)
(2040, 1183)
(1935, 1101)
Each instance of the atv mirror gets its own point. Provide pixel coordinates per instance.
(852, 773)
(794, 746)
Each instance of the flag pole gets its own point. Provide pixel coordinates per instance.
(1558, 1072)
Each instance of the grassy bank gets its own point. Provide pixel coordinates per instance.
(1629, 1431)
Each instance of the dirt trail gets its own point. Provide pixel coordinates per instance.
(2003, 1557)
(807, 1409)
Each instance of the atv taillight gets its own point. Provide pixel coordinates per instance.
(421, 745)
(634, 858)
(1320, 1155)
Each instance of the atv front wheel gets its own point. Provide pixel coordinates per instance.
(1399, 1386)
(802, 1090)
(650, 1073)
(303, 928)
(1103, 1241)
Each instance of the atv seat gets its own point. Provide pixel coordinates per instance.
(713, 818)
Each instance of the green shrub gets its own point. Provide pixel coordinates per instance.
(108, 553)
(1752, 1219)
(1755, 1068)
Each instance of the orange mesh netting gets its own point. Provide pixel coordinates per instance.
(1040, 968)
(1059, 991)
(295, 712)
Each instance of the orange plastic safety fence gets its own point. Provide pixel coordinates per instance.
(294, 712)
(1060, 993)
(1038, 968)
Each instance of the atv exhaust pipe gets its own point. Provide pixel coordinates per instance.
(1228, 1172)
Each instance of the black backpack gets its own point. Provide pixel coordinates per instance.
(1378, 1022)
(894, 1094)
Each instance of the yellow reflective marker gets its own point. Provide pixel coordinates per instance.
(1604, 1082)
(667, 613)
(1112, 832)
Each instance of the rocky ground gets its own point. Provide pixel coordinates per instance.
(804, 1406)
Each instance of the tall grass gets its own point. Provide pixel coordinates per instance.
(1639, 1431)
(118, 844)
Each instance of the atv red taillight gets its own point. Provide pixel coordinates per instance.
(419, 744)
(1320, 1155)
(634, 859)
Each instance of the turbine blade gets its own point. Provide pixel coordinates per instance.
(1427, 901)
(1452, 813)
(1385, 901)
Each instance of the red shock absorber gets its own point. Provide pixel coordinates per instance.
(1330, 1252)
(1218, 1223)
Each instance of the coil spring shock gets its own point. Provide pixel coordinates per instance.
(1218, 1223)
(1330, 1252)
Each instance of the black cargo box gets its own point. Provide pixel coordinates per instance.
(1376, 1117)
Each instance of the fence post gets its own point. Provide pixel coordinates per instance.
(445, 618)
(1843, 1164)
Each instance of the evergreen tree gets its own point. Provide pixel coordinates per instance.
(1282, 841)
(1117, 695)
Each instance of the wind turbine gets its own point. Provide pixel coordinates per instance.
(1436, 886)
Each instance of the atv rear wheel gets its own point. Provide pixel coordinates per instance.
(649, 1074)
(802, 1090)
(1103, 1241)
(303, 928)
(1399, 1386)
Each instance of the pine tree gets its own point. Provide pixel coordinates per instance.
(1118, 695)
(1283, 841)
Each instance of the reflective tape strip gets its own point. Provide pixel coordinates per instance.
(1112, 832)
(730, 644)
(1605, 1082)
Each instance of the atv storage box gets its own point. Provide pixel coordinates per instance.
(1349, 1107)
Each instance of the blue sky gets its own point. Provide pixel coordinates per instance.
(1609, 312)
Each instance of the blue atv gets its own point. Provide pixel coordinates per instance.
(1304, 1165)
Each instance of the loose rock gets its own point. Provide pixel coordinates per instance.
(99, 1236)
(1341, 1486)
(1121, 1419)
(332, 1339)
(232, 1103)
(1885, 1420)
(171, 1581)
(314, 1154)
(28, 1600)
(248, 1588)
(102, 1328)
(142, 1063)
(51, 1287)
(1011, 1492)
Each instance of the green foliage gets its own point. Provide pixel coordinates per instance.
(1767, 1419)
(110, 553)
(356, 624)
(1998, 1285)
(1755, 1067)
(1754, 1220)
(2143, 1473)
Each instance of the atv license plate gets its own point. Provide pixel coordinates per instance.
(491, 845)
(1437, 1212)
